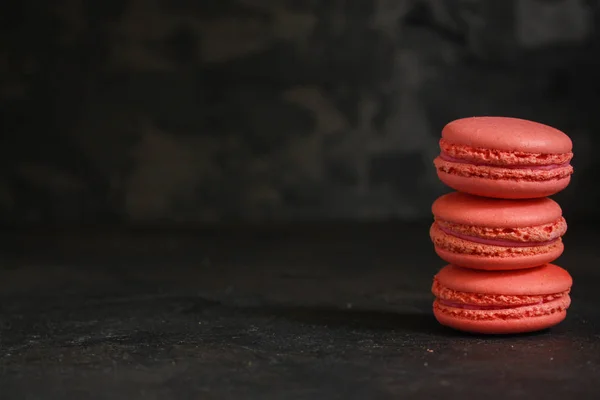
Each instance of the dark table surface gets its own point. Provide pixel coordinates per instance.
(305, 312)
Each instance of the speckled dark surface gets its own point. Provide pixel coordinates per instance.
(316, 312)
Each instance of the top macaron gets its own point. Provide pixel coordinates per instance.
(505, 158)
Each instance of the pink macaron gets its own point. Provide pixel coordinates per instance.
(504, 302)
(497, 234)
(502, 157)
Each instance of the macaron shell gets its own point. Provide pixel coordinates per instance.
(509, 134)
(486, 263)
(466, 209)
(542, 280)
(500, 326)
(503, 188)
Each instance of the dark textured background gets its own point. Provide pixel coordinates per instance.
(168, 112)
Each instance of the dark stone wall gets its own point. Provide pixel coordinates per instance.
(180, 111)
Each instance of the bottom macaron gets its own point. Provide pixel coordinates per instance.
(501, 302)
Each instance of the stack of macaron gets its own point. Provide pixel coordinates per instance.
(499, 231)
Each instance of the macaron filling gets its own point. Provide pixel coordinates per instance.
(486, 313)
(461, 153)
(481, 306)
(548, 167)
(541, 235)
(495, 242)
(469, 300)
(503, 172)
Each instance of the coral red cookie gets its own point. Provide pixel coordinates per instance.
(507, 158)
(494, 302)
(496, 234)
